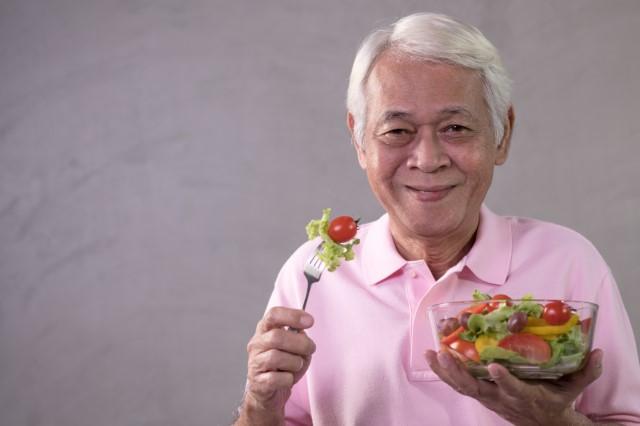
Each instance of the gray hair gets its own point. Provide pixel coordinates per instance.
(436, 38)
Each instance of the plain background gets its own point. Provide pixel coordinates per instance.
(159, 160)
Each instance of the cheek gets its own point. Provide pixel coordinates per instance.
(392, 157)
(479, 171)
(473, 162)
(382, 165)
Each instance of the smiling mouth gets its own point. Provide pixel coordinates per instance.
(434, 193)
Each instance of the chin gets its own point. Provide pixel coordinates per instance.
(429, 229)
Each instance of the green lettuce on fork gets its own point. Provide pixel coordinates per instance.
(330, 252)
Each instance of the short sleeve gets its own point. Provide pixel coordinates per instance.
(615, 396)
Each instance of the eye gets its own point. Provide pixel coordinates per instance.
(397, 136)
(455, 128)
(397, 132)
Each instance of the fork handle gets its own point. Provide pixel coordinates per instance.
(304, 305)
(306, 296)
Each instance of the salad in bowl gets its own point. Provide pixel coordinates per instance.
(533, 338)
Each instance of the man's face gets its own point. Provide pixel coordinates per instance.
(429, 148)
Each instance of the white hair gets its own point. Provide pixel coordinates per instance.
(436, 38)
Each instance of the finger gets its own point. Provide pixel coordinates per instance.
(306, 362)
(432, 357)
(280, 317)
(462, 381)
(442, 363)
(282, 340)
(455, 374)
(507, 382)
(274, 360)
(265, 384)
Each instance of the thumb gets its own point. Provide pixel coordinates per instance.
(591, 371)
(510, 384)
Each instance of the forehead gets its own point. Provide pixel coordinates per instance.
(401, 82)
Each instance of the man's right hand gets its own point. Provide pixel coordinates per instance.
(278, 358)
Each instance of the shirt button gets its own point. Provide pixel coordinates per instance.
(414, 274)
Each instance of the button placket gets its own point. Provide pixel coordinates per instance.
(418, 284)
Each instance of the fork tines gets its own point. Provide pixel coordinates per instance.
(315, 266)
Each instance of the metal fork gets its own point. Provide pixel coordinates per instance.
(312, 271)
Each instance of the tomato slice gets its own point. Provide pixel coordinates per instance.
(531, 347)
(466, 349)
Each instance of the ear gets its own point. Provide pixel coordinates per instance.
(351, 123)
(503, 147)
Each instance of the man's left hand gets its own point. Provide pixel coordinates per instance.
(531, 402)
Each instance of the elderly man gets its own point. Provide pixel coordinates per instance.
(430, 115)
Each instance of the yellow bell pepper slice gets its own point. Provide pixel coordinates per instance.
(485, 341)
(536, 322)
(545, 330)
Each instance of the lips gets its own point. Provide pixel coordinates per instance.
(430, 193)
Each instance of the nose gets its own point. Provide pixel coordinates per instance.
(428, 153)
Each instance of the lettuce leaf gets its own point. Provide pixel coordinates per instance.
(528, 306)
(496, 353)
(330, 252)
(568, 348)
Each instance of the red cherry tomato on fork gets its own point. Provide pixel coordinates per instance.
(342, 229)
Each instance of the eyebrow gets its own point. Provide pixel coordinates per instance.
(457, 110)
(392, 115)
(448, 111)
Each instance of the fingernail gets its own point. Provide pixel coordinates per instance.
(428, 354)
(494, 371)
(599, 357)
(306, 321)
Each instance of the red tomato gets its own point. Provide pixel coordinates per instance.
(556, 312)
(466, 349)
(585, 325)
(527, 345)
(342, 229)
(497, 300)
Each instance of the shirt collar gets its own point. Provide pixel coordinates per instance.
(380, 259)
(489, 259)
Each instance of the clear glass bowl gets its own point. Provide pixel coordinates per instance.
(568, 343)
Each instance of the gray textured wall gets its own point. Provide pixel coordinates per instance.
(159, 160)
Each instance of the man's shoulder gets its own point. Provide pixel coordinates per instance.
(530, 232)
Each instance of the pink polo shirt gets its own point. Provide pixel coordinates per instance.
(371, 328)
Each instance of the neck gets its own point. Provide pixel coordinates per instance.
(439, 253)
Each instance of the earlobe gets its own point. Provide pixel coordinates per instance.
(350, 123)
